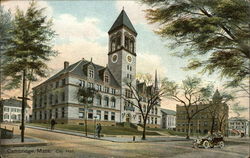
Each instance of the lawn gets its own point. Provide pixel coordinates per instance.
(172, 132)
(107, 130)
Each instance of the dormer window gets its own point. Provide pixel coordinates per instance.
(106, 78)
(91, 73)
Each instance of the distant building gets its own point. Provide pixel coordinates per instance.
(57, 96)
(203, 120)
(11, 110)
(238, 125)
(168, 119)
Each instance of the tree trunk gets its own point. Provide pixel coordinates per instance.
(23, 105)
(220, 126)
(144, 129)
(188, 131)
(212, 127)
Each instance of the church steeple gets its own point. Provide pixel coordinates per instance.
(122, 20)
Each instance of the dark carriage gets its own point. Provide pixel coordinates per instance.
(209, 142)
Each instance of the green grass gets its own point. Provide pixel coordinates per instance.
(172, 132)
(107, 130)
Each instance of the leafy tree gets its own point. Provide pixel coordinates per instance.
(86, 97)
(144, 96)
(30, 47)
(215, 33)
(240, 89)
(5, 26)
(237, 108)
(190, 93)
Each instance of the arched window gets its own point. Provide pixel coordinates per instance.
(113, 45)
(113, 102)
(13, 117)
(126, 42)
(6, 116)
(106, 101)
(156, 110)
(99, 100)
(132, 44)
(118, 42)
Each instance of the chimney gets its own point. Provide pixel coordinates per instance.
(66, 64)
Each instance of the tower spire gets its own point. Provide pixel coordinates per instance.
(156, 81)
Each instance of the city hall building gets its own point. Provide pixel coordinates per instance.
(57, 96)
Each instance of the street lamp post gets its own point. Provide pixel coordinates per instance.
(95, 126)
(86, 97)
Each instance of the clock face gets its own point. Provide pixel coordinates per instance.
(129, 58)
(114, 58)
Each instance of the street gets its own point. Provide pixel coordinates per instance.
(62, 145)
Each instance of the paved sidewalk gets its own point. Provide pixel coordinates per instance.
(122, 139)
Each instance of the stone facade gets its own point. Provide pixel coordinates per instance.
(57, 97)
(202, 121)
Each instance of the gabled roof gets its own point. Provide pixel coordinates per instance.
(122, 20)
(237, 119)
(13, 102)
(63, 71)
(168, 112)
(80, 69)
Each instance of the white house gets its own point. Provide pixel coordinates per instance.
(12, 110)
(238, 125)
(168, 119)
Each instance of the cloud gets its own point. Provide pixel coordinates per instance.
(23, 5)
(74, 51)
(70, 28)
(79, 41)
(148, 63)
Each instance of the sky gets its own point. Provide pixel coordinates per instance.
(82, 27)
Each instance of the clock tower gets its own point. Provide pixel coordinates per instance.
(122, 49)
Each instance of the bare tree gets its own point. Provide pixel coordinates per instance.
(218, 110)
(190, 93)
(145, 98)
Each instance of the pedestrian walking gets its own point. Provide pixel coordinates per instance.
(96, 130)
(52, 123)
(99, 130)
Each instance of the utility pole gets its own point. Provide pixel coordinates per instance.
(24, 100)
